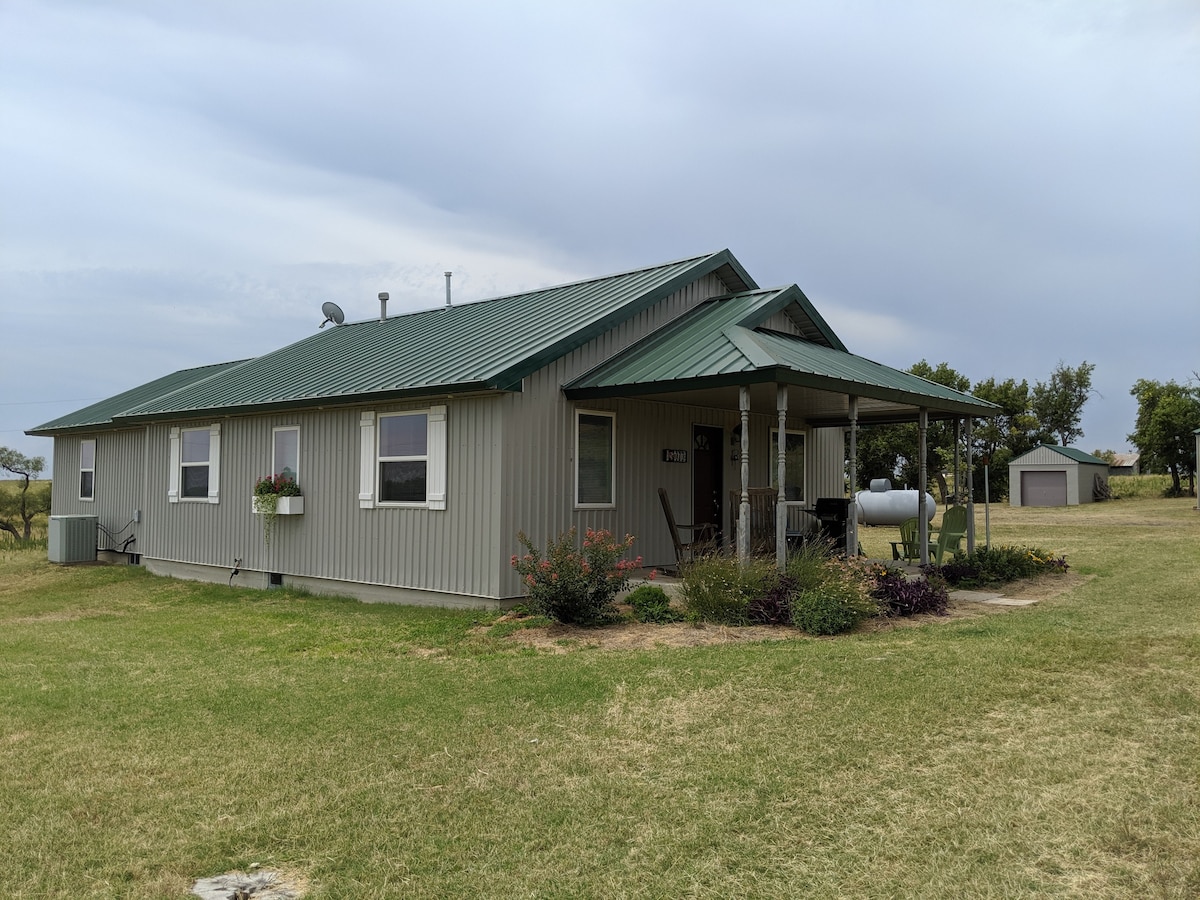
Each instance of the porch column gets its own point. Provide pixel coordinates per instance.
(970, 495)
(922, 480)
(852, 518)
(743, 532)
(781, 511)
(957, 443)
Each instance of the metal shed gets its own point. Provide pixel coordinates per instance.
(1056, 476)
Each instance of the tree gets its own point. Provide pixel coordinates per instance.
(1058, 404)
(17, 510)
(1015, 430)
(1168, 416)
(892, 451)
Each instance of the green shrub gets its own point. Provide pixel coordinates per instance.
(998, 564)
(835, 607)
(809, 567)
(717, 589)
(571, 586)
(650, 603)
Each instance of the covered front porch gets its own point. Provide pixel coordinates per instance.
(768, 353)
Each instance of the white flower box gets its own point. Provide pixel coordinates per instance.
(284, 506)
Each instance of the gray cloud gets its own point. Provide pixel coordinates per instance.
(999, 185)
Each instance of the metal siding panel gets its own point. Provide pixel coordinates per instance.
(118, 484)
(452, 550)
(539, 434)
(828, 462)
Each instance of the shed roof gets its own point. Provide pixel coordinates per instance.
(1069, 452)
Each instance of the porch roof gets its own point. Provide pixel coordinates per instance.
(705, 355)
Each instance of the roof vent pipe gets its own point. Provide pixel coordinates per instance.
(383, 299)
(448, 288)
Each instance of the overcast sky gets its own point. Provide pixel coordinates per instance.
(997, 185)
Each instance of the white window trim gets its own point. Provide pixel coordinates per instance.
(435, 459)
(174, 494)
(275, 470)
(611, 504)
(83, 469)
(773, 470)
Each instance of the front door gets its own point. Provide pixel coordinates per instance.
(707, 470)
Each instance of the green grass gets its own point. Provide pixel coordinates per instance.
(1140, 487)
(153, 732)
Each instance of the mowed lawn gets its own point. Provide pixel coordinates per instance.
(153, 732)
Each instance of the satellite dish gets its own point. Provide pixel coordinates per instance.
(333, 313)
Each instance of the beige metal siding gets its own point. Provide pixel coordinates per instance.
(539, 434)
(783, 323)
(827, 460)
(451, 550)
(118, 485)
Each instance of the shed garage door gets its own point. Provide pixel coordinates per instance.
(1043, 488)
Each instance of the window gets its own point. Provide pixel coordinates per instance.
(403, 459)
(87, 469)
(195, 464)
(793, 467)
(285, 453)
(595, 458)
(194, 459)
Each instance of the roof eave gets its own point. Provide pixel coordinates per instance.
(322, 402)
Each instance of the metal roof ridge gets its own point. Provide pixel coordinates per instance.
(743, 339)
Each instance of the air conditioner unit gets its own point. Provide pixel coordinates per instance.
(73, 538)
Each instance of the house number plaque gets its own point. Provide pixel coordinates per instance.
(676, 456)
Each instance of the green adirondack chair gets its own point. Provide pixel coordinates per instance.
(908, 547)
(951, 533)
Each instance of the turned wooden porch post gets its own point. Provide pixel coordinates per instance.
(781, 511)
(743, 532)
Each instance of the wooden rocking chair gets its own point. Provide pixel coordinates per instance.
(704, 535)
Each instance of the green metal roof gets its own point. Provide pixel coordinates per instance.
(1068, 452)
(489, 345)
(103, 413)
(721, 343)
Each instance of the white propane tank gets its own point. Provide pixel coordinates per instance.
(890, 507)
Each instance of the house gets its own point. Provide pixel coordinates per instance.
(1124, 464)
(424, 442)
(1056, 476)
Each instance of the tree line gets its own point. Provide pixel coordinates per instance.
(1048, 412)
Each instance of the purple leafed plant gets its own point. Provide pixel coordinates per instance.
(902, 597)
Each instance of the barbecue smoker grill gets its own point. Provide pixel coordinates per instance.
(831, 514)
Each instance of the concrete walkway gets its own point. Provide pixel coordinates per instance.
(988, 597)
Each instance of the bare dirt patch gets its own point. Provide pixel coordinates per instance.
(637, 636)
(1044, 586)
